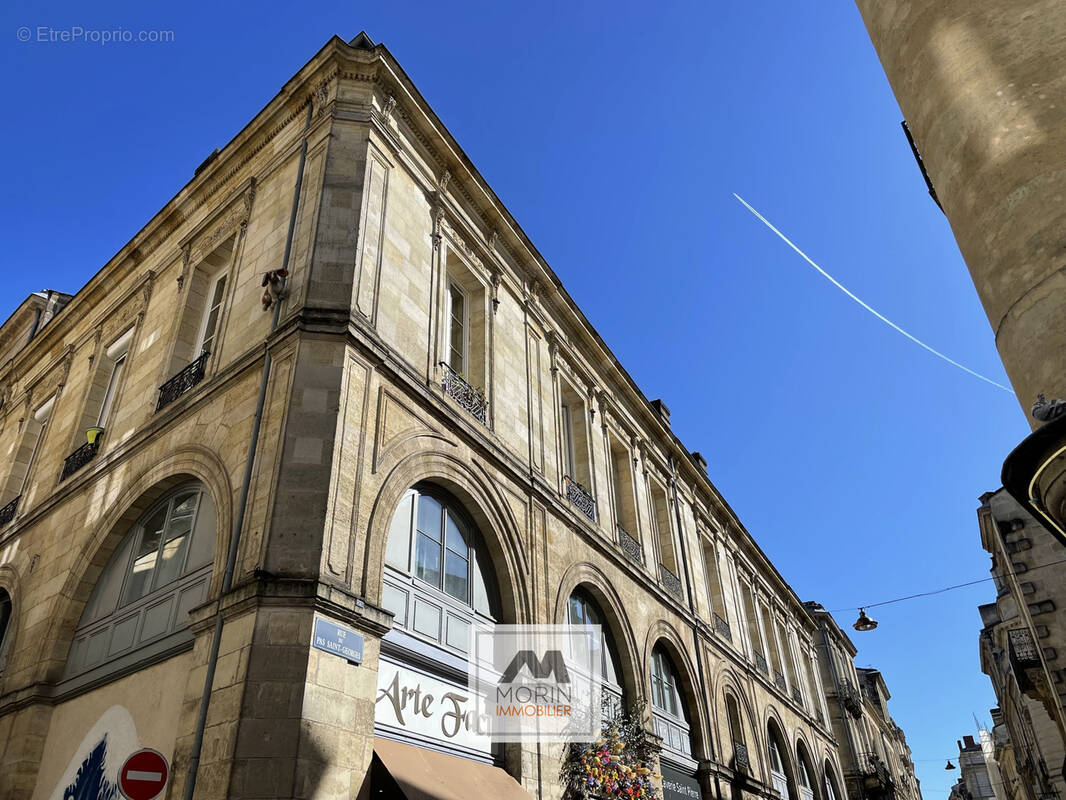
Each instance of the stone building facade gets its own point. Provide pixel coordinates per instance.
(873, 749)
(1017, 650)
(979, 84)
(421, 434)
(978, 774)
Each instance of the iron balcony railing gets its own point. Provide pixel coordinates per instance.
(7, 513)
(849, 698)
(760, 662)
(670, 581)
(779, 681)
(630, 545)
(741, 762)
(797, 695)
(580, 497)
(1022, 648)
(471, 398)
(182, 382)
(722, 628)
(820, 716)
(875, 773)
(79, 458)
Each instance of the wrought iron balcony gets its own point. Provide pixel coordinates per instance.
(849, 698)
(877, 780)
(760, 663)
(819, 715)
(182, 382)
(741, 762)
(1023, 650)
(630, 545)
(779, 681)
(580, 497)
(469, 397)
(79, 458)
(721, 627)
(671, 582)
(797, 695)
(7, 513)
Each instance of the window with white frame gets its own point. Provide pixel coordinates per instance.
(668, 706)
(438, 577)
(458, 316)
(216, 293)
(141, 601)
(25, 451)
(583, 610)
(806, 785)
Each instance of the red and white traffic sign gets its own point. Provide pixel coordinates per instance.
(144, 775)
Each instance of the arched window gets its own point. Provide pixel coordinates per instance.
(436, 583)
(741, 762)
(582, 610)
(5, 626)
(803, 770)
(778, 770)
(831, 792)
(140, 605)
(668, 705)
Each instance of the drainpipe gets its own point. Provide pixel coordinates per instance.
(242, 503)
(691, 605)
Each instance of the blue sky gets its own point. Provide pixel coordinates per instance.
(616, 136)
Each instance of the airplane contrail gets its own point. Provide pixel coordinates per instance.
(873, 311)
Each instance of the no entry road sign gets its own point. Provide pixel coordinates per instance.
(144, 775)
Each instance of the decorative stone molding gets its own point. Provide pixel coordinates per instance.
(226, 224)
(388, 108)
(442, 182)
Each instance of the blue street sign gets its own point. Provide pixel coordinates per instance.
(338, 640)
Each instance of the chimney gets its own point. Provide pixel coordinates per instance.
(662, 411)
(701, 462)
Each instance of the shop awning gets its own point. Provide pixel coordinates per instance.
(428, 775)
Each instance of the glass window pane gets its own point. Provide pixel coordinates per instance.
(144, 558)
(175, 543)
(454, 537)
(220, 289)
(398, 549)
(202, 549)
(577, 616)
(427, 560)
(109, 394)
(455, 576)
(480, 598)
(429, 517)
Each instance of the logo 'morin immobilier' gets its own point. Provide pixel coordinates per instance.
(538, 682)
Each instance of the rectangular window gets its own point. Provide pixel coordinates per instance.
(661, 522)
(715, 595)
(622, 478)
(568, 439)
(109, 393)
(212, 311)
(753, 622)
(458, 326)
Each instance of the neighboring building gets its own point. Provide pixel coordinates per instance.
(423, 435)
(873, 749)
(975, 773)
(979, 83)
(1016, 652)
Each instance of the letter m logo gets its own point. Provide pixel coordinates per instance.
(552, 663)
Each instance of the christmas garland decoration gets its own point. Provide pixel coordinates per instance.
(619, 764)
